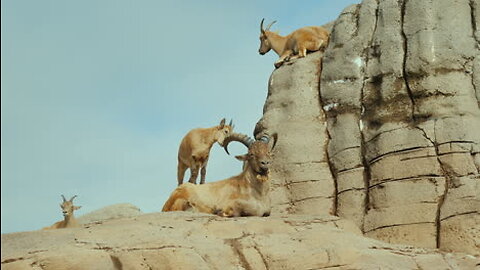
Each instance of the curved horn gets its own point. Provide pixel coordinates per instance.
(63, 197)
(275, 138)
(266, 138)
(71, 199)
(261, 26)
(270, 25)
(238, 137)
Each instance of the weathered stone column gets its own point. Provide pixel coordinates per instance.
(301, 178)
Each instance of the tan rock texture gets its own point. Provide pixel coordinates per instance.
(384, 129)
(178, 240)
(119, 210)
(303, 183)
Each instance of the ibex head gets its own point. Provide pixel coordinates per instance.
(68, 207)
(264, 42)
(223, 131)
(259, 154)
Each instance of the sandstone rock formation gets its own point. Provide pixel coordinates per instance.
(303, 183)
(386, 131)
(383, 130)
(179, 240)
(114, 211)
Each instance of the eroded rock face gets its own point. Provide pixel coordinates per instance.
(177, 240)
(399, 93)
(302, 180)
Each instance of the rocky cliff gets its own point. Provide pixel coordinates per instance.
(385, 129)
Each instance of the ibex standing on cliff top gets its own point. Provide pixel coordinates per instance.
(296, 44)
(195, 148)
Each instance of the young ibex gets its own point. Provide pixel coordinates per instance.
(296, 44)
(243, 195)
(69, 220)
(195, 148)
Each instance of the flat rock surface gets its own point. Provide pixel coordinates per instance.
(180, 240)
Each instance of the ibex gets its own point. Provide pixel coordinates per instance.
(243, 195)
(69, 220)
(294, 45)
(195, 148)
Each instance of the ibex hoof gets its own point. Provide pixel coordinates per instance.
(278, 64)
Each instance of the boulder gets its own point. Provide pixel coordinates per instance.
(119, 210)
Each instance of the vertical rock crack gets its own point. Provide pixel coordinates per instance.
(366, 164)
(405, 58)
(442, 197)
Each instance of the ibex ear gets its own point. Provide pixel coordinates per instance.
(222, 123)
(76, 207)
(242, 157)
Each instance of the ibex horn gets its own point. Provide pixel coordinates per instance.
(266, 138)
(63, 197)
(270, 25)
(275, 139)
(238, 137)
(71, 199)
(261, 26)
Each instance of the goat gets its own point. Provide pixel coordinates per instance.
(243, 195)
(69, 220)
(195, 148)
(294, 45)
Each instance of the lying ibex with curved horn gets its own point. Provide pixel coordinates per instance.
(69, 220)
(294, 45)
(195, 149)
(243, 195)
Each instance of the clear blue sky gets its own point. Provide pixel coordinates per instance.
(96, 95)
